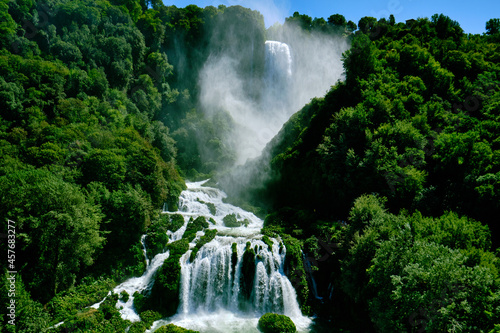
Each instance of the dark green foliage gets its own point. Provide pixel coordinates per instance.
(206, 238)
(231, 221)
(247, 271)
(164, 297)
(70, 302)
(234, 258)
(139, 302)
(105, 319)
(493, 26)
(124, 296)
(268, 242)
(294, 268)
(171, 328)
(194, 226)
(43, 205)
(71, 90)
(148, 317)
(178, 248)
(276, 323)
(410, 266)
(211, 206)
(176, 222)
(156, 236)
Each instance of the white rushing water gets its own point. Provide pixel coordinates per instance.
(278, 68)
(213, 297)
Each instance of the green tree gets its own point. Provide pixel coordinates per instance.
(8, 25)
(367, 24)
(54, 220)
(493, 26)
(337, 20)
(104, 166)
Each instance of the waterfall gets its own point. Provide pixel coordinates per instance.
(278, 63)
(210, 283)
(218, 293)
(278, 79)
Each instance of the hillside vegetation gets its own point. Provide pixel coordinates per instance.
(389, 185)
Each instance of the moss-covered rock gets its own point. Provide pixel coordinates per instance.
(234, 259)
(194, 226)
(179, 247)
(268, 242)
(139, 302)
(276, 323)
(294, 264)
(211, 207)
(247, 271)
(294, 269)
(176, 222)
(149, 317)
(163, 297)
(171, 328)
(231, 221)
(156, 236)
(207, 237)
(137, 327)
(124, 296)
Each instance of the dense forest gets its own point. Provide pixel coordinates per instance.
(389, 185)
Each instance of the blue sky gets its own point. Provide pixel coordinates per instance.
(472, 14)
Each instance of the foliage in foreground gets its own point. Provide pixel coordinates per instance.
(276, 323)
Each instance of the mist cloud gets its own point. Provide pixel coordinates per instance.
(316, 66)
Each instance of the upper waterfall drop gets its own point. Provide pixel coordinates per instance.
(278, 61)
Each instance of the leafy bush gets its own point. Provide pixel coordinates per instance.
(176, 222)
(69, 302)
(276, 323)
(171, 328)
(149, 317)
(194, 226)
(230, 221)
(268, 242)
(206, 238)
(156, 236)
(247, 271)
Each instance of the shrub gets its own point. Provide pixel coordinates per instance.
(149, 317)
(206, 238)
(248, 271)
(230, 221)
(276, 323)
(157, 238)
(124, 296)
(194, 226)
(176, 222)
(171, 328)
(268, 242)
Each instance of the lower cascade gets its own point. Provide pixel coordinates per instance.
(232, 280)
